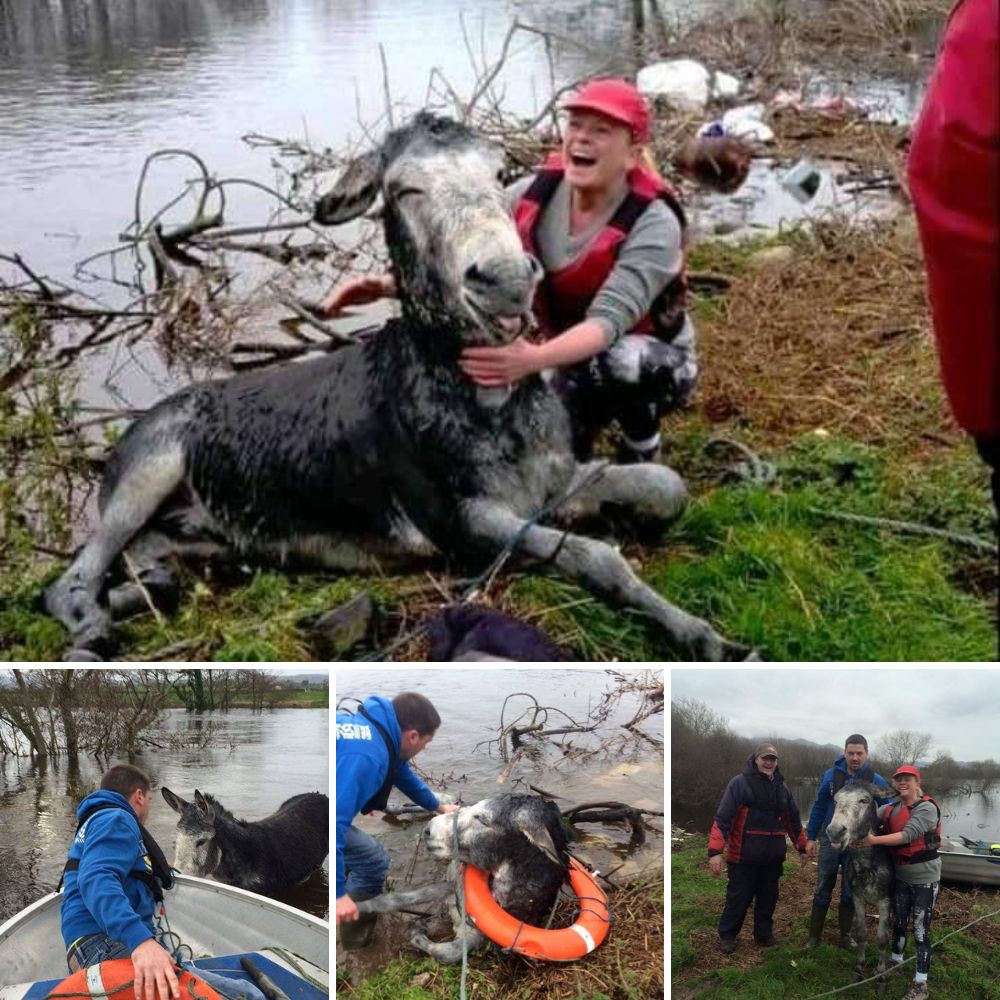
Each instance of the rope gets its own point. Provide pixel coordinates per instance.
(908, 528)
(906, 961)
(460, 892)
(497, 564)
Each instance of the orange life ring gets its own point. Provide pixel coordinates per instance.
(563, 945)
(113, 980)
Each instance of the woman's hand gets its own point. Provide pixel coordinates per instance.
(719, 162)
(358, 291)
(715, 864)
(866, 841)
(500, 366)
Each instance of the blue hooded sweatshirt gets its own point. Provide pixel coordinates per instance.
(362, 762)
(101, 897)
(822, 810)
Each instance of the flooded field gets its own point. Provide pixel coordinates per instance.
(252, 763)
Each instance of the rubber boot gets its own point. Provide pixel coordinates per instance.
(845, 915)
(357, 934)
(816, 920)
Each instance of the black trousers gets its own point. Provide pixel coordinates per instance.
(750, 883)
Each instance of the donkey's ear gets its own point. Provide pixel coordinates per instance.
(541, 839)
(204, 806)
(174, 801)
(353, 193)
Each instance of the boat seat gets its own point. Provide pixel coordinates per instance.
(292, 985)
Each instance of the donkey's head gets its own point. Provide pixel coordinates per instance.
(854, 813)
(507, 829)
(459, 265)
(196, 850)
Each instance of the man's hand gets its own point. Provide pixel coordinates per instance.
(719, 162)
(500, 366)
(155, 978)
(347, 909)
(358, 291)
(811, 848)
(715, 864)
(803, 857)
(447, 807)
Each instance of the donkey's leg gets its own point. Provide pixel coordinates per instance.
(74, 598)
(602, 570)
(653, 492)
(882, 941)
(392, 902)
(450, 952)
(860, 933)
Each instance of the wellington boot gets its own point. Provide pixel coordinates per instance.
(845, 915)
(357, 934)
(816, 920)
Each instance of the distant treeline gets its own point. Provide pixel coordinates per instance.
(706, 753)
(104, 711)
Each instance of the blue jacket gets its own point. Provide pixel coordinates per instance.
(822, 810)
(101, 897)
(362, 762)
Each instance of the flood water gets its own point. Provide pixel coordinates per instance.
(254, 763)
(469, 703)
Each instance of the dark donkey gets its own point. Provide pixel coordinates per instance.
(263, 856)
(383, 450)
(869, 869)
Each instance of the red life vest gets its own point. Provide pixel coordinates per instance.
(924, 848)
(564, 296)
(954, 176)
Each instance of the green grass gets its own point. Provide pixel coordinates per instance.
(756, 561)
(962, 968)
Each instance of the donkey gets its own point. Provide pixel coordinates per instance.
(264, 856)
(520, 839)
(869, 869)
(383, 450)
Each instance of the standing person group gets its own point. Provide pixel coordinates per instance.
(851, 765)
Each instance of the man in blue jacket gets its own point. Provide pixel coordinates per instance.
(373, 747)
(110, 887)
(851, 765)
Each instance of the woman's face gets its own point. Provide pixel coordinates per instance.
(597, 151)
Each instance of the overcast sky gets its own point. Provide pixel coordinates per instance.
(959, 707)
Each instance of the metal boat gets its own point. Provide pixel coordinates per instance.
(215, 924)
(975, 862)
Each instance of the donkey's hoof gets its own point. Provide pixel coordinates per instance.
(78, 654)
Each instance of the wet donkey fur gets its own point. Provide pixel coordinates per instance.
(263, 855)
(519, 839)
(869, 869)
(381, 451)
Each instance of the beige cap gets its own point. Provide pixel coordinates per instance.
(764, 749)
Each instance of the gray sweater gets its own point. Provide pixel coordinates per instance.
(647, 261)
(923, 819)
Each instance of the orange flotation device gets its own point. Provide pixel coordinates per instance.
(114, 980)
(561, 945)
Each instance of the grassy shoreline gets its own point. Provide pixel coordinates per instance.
(965, 967)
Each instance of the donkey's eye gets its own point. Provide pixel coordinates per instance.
(201, 843)
(404, 192)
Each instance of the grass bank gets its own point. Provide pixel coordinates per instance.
(627, 966)
(965, 967)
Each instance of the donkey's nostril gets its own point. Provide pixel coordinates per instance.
(535, 264)
(475, 275)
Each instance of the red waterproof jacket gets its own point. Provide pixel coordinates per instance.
(564, 296)
(924, 848)
(954, 177)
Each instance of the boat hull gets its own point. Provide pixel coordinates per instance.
(960, 863)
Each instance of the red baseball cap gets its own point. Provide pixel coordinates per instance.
(618, 99)
(907, 769)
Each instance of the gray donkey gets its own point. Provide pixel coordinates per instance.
(869, 869)
(383, 451)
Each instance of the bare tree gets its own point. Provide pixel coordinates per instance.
(904, 746)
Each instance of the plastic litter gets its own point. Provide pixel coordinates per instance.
(685, 83)
(744, 122)
(802, 181)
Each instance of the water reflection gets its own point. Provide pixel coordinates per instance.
(254, 763)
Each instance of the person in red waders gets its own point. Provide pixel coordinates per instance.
(913, 833)
(954, 178)
(609, 233)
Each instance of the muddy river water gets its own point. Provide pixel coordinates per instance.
(253, 763)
